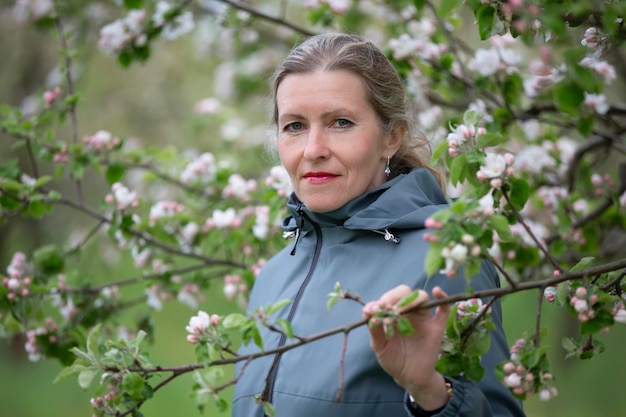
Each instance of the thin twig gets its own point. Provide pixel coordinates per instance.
(541, 246)
(342, 364)
(70, 89)
(538, 318)
(276, 20)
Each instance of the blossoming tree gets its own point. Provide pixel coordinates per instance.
(526, 120)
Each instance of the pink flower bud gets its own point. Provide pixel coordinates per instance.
(215, 319)
(192, 338)
(430, 223)
(581, 292)
(509, 367)
(495, 183)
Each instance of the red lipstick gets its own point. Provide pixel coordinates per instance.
(319, 177)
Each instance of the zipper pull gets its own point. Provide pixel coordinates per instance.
(299, 224)
(390, 237)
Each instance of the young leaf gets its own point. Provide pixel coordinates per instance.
(407, 299)
(234, 320)
(86, 376)
(583, 264)
(285, 327)
(486, 17)
(404, 326)
(277, 306)
(432, 264)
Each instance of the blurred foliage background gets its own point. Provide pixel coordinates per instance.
(154, 102)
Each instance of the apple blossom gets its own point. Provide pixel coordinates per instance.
(202, 169)
(175, 28)
(210, 105)
(124, 197)
(597, 102)
(550, 294)
(486, 62)
(602, 68)
(495, 166)
(25, 10)
(164, 209)
(101, 140)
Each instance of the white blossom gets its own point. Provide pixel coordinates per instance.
(495, 165)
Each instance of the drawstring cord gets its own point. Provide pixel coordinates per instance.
(299, 224)
(390, 237)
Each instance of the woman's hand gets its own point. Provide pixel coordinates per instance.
(411, 359)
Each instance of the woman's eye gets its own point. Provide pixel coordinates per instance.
(343, 123)
(293, 127)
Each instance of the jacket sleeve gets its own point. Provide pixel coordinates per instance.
(489, 397)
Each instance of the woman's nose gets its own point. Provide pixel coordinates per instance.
(316, 144)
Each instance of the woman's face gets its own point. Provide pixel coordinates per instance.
(329, 139)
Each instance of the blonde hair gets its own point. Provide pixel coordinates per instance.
(384, 89)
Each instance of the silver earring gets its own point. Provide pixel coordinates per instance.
(387, 167)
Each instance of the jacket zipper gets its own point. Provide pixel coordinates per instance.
(268, 392)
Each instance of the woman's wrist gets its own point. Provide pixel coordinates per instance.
(432, 396)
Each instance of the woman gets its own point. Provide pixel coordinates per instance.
(361, 195)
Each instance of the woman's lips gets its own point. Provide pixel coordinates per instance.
(319, 177)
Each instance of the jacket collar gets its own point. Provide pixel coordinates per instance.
(402, 203)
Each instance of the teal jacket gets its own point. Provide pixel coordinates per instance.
(370, 245)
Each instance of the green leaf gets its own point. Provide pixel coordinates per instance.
(450, 365)
(584, 125)
(404, 326)
(83, 355)
(456, 168)
(447, 6)
(332, 299)
(37, 209)
(568, 345)
(41, 181)
(520, 191)
(583, 264)
(136, 342)
(568, 96)
(86, 376)
(133, 4)
(114, 173)
(478, 343)
(93, 339)
(68, 372)
(471, 118)
(269, 409)
(472, 368)
(439, 150)
(277, 306)
(433, 260)
(48, 258)
(501, 225)
(489, 139)
(486, 18)
(234, 321)
(408, 299)
(561, 293)
(133, 384)
(513, 89)
(285, 327)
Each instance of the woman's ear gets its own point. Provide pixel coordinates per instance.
(394, 139)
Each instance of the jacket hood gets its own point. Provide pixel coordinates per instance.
(404, 202)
